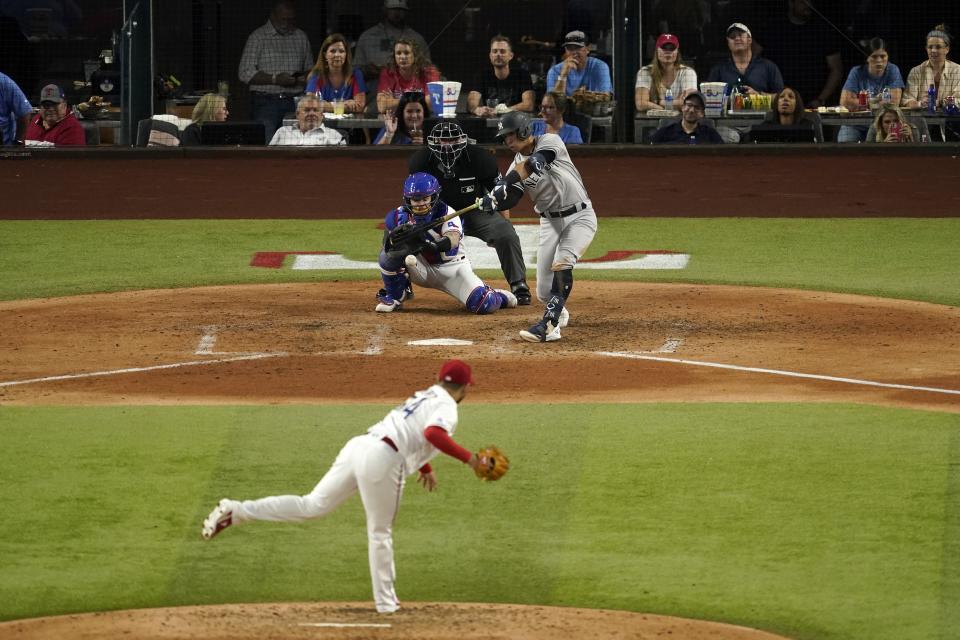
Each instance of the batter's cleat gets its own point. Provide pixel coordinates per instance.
(407, 293)
(508, 300)
(386, 304)
(564, 319)
(522, 292)
(543, 331)
(219, 519)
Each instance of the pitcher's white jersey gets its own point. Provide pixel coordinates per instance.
(559, 184)
(405, 424)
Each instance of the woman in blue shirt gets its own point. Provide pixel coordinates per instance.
(334, 78)
(552, 108)
(877, 74)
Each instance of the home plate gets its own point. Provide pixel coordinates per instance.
(440, 342)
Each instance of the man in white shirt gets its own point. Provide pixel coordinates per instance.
(309, 130)
(375, 464)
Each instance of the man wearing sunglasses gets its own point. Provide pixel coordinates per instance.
(55, 123)
(747, 72)
(579, 69)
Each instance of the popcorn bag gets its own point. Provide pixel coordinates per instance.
(443, 97)
(714, 94)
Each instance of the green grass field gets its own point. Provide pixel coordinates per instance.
(813, 521)
(915, 259)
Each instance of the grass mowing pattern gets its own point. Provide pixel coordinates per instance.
(891, 257)
(815, 521)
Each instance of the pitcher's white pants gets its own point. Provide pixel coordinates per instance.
(365, 463)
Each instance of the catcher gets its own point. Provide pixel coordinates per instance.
(376, 464)
(419, 229)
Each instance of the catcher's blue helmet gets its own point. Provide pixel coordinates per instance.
(419, 186)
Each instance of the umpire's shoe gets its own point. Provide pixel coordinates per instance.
(522, 292)
(219, 519)
(543, 331)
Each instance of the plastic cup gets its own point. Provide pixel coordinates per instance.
(338, 107)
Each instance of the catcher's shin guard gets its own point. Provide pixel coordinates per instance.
(484, 300)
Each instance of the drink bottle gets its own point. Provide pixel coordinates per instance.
(668, 100)
(932, 99)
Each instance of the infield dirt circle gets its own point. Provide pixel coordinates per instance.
(322, 343)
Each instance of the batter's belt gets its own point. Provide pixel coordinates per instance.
(563, 213)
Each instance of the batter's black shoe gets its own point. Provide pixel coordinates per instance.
(543, 331)
(408, 293)
(522, 292)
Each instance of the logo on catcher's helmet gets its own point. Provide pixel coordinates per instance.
(422, 188)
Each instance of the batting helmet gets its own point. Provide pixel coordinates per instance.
(447, 141)
(514, 122)
(418, 186)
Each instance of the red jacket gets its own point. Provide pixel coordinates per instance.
(68, 131)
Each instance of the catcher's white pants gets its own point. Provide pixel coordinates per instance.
(455, 278)
(562, 242)
(365, 463)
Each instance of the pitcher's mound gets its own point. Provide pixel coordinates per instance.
(357, 620)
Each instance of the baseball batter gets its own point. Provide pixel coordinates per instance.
(376, 464)
(439, 261)
(542, 168)
(465, 172)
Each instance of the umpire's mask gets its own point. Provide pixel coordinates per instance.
(447, 141)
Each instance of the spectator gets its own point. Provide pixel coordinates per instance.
(501, 83)
(552, 108)
(742, 70)
(937, 70)
(578, 69)
(665, 71)
(274, 63)
(309, 130)
(690, 129)
(877, 74)
(14, 111)
(55, 123)
(808, 52)
(409, 70)
(212, 107)
(335, 78)
(891, 126)
(404, 125)
(786, 110)
(375, 50)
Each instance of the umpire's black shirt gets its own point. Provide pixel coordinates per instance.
(475, 173)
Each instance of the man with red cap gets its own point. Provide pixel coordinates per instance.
(376, 464)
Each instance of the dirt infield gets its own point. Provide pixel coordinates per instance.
(273, 343)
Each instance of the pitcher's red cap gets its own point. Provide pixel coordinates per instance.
(455, 371)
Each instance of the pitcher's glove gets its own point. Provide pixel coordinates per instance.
(493, 464)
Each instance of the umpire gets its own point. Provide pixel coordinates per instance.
(465, 173)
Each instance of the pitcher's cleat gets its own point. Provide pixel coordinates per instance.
(219, 519)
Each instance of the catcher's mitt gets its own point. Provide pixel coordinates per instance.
(493, 464)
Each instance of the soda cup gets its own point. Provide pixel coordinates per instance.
(862, 98)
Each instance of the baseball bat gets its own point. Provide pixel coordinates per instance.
(420, 228)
